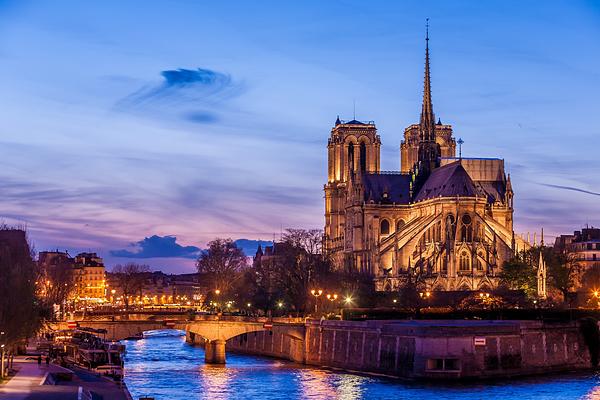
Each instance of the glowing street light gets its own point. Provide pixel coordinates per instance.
(316, 293)
(280, 304)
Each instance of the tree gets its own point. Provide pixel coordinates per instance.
(130, 278)
(221, 264)
(58, 281)
(21, 313)
(520, 273)
(563, 271)
(301, 266)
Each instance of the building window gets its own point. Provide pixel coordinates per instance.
(363, 157)
(465, 264)
(478, 262)
(351, 156)
(450, 227)
(466, 232)
(400, 225)
(443, 364)
(385, 227)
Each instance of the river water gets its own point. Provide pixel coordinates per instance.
(163, 366)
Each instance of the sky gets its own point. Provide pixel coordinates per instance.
(142, 130)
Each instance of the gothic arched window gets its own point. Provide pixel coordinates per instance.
(363, 157)
(351, 156)
(450, 227)
(465, 264)
(385, 227)
(400, 225)
(479, 262)
(466, 232)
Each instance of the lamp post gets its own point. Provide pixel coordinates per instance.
(2, 358)
(316, 293)
(2, 362)
(217, 293)
(332, 297)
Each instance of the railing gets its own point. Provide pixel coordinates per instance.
(236, 318)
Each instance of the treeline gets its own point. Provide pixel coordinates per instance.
(281, 281)
(565, 275)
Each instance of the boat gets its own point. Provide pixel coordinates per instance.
(86, 349)
(137, 336)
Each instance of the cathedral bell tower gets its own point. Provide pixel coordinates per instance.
(353, 148)
(429, 149)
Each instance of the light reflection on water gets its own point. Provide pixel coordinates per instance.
(163, 366)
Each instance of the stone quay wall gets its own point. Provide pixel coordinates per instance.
(428, 349)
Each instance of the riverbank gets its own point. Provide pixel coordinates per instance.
(439, 350)
(32, 382)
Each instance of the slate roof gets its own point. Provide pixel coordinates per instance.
(386, 188)
(451, 180)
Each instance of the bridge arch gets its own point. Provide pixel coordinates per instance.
(214, 334)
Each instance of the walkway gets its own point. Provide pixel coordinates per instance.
(26, 384)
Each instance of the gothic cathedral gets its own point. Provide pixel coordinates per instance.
(442, 220)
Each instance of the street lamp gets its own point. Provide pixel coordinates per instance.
(316, 293)
(332, 297)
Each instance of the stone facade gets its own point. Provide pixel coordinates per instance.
(429, 349)
(443, 221)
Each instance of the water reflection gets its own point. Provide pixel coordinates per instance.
(216, 380)
(163, 366)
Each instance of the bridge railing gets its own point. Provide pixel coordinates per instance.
(238, 318)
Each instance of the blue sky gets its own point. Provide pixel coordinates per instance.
(126, 120)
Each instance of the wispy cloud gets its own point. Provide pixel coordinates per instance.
(157, 246)
(199, 93)
(574, 189)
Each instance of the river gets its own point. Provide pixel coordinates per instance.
(163, 366)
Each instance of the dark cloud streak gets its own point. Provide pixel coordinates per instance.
(574, 189)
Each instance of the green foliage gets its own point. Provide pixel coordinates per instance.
(520, 273)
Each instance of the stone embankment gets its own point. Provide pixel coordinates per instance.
(428, 349)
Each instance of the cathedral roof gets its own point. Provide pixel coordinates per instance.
(451, 180)
(354, 122)
(386, 188)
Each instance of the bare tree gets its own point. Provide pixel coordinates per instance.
(221, 263)
(130, 278)
(302, 266)
(58, 282)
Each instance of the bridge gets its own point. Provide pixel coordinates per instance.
(210, 331)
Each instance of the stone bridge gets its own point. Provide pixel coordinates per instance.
(210, 331)
(214, 334)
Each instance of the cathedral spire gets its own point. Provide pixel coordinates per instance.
(427, 124)
(429, 150)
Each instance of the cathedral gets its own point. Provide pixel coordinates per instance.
(442, 222)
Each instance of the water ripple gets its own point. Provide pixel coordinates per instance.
(163, 366)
